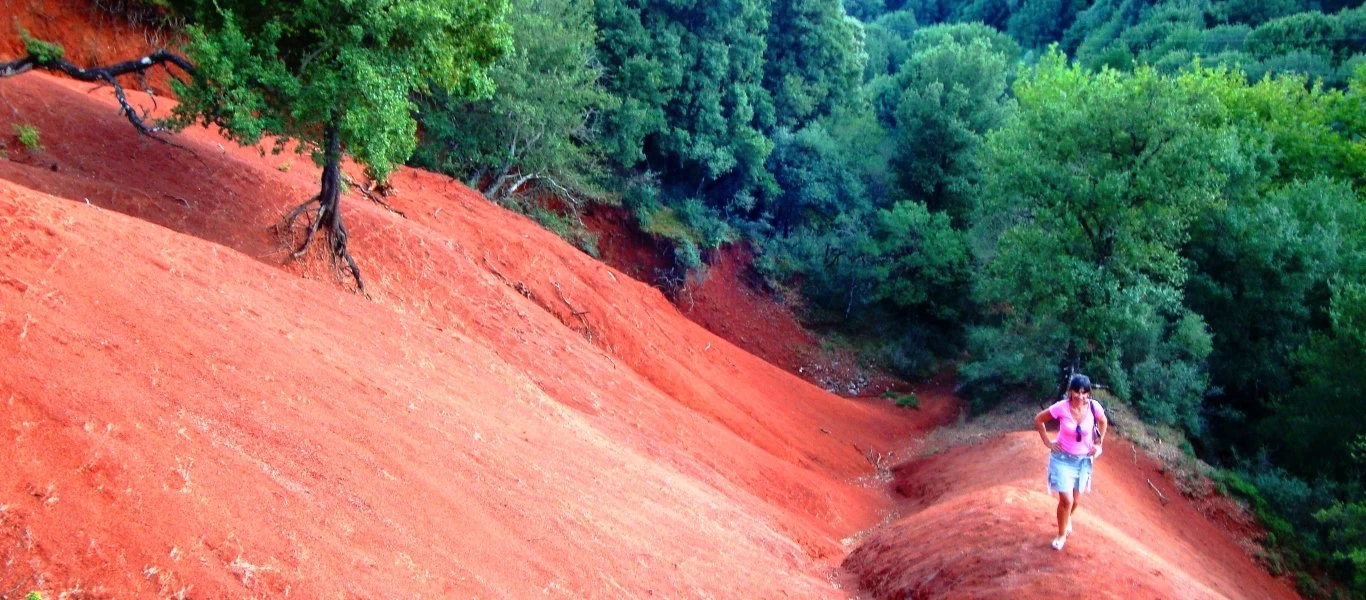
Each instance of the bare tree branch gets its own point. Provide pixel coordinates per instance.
(109, 74)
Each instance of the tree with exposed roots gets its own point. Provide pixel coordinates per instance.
(333, 75)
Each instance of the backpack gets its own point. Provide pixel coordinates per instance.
(1095, 424)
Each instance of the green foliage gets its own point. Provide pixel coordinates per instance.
(907, 400)
(1260, 38)
(922, 262)
(929, 11)
(43, 53)
(1338, 35)
(34, 595)
(295, 69)
(690, 227)
(817, 175)
(954, 93)
(28, 136)
(538, 121)
(1305, 524)
(1327, 408)
(864, 10)
(1038, 23)
(887, 42)
(690, 82)
(1254, 12)
(1264, 265)
(836, 263)
(687, 256)
(1090, 192)
(1346, 524)
(812, 62)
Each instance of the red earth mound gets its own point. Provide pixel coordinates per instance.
(976, 522)
(506, 417)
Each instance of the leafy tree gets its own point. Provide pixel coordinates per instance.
(965, 34)
(992, 13)
(923, 263)
(1263, 267)
(1338, 35)
(1037, 23)
(887, 43)
(1348, 112)
(838, 263)
(816, 180)
(864, 10)
(1094, 37)
(335, 76)
(1090, 193)
(1255, 12)
(928, 12)
(1262, 262)
(1327, 409)
(812, 61)
(538, 124)
(954, 93)
(693, 106)
(1346, 523)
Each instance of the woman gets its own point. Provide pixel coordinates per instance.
(1073, 451)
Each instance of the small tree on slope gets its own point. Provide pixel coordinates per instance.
(333, 75)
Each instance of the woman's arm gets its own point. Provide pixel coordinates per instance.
(1039, 420)
(1103, 423)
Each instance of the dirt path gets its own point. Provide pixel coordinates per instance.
(976, 523)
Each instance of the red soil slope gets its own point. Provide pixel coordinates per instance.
(506, 417)
(976, 523)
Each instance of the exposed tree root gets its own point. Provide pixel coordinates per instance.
(375, 193)
(328, 215)
(328, 200)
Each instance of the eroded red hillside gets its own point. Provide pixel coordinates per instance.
(505, 417)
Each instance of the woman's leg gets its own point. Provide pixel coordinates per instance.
(1076, 501)
(1066, 504)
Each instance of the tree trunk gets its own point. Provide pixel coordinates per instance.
(497, 185)
(108, 74)
(477, 178)
(329, 209)
(520, 182)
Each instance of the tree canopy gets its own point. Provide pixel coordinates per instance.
(299, 69)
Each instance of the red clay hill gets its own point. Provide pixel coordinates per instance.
(184, 414)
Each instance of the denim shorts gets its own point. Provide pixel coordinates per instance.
(1068, 473)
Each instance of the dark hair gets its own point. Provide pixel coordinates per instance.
(1079, 382)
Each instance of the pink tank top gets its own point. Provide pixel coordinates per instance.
(1067, 430)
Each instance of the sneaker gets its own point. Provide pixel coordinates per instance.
(1059, 541)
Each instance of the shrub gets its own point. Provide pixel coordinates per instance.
(1346, 523)
(43, 52)
(907, 400)
(687, 255)
(28, 136)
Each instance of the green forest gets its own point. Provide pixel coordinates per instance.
(1164, 194)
